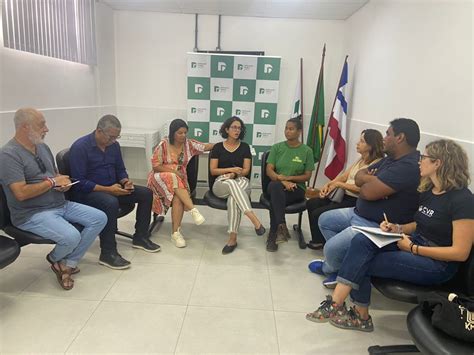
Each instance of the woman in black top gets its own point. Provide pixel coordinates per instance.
(429, 250)
(230, 162)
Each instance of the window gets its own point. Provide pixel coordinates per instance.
(61, 29)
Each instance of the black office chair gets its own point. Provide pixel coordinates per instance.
(209, 197)
(22, 237)
(298, 207)
(9, 251)
(62, 160)
(192, 171)
(427, 339)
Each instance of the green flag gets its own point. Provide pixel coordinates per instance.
(316, 124)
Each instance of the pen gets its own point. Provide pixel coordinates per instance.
(385, 217)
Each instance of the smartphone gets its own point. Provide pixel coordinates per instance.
(72, 183)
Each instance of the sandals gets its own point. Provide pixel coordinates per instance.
(74, 270)
(64, 276)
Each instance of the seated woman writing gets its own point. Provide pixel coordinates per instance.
(370, 148)
(430, 249)
(230, 162)
(169, 181)
(289, 166)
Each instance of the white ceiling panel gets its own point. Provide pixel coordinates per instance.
(307, 9)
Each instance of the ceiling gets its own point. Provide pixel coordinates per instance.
(305, 9)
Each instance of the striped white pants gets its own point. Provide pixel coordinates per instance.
(237, 192)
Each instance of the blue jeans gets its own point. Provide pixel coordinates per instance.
(335, 225)
(364, 259)
(55, 224)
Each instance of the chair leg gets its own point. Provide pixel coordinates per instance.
(299, 232)
(123, 234)
(156, 223)
(391, 349)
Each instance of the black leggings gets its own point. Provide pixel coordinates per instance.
(317, 206)
(279, 199)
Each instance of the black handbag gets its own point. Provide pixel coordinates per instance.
(453, 315)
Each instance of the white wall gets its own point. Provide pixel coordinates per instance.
(413, 59)
(151, 61)
(71, 95)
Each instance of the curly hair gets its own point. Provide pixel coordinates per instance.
(226, 125)
(453, 172)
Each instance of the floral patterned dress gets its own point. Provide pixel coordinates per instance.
(163, 184)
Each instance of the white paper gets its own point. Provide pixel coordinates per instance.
(378, 236)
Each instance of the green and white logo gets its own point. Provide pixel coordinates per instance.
(265, 113)
(198, 88)
(222, 66)
(199, 131)
(220, 110)
(244, 90)
(268, 68)
(244, 110)
(263, 134)
(267, 91)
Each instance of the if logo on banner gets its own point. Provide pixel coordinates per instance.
(261, 91)
(267, 68)
(260, 155)
(244, 90)
(221, 66)
(238, 112)
(198, 132)
(220, 111)
(256, 175)
(216, 88)
(193, 64)
(198, 88)
(240, 67)
(259, 134)
(193, 110)
(215, 132)
(264, 113)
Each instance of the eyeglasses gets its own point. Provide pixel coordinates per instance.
(235, 128)
(40, 164)
(422, 156)
(111, 138)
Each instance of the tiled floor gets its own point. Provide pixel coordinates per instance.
(191, 300)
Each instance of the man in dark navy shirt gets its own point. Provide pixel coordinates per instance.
(388, 186)
(96, 161)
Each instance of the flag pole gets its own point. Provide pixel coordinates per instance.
(327, 129)
(301, 99)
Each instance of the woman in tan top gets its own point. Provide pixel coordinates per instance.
(370, 147)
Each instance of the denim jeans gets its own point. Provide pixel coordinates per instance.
(335, 225)
(55, 224)
(364, 259)
(142, 196)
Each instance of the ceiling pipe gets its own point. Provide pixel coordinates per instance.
(218, 48)
(195, 33)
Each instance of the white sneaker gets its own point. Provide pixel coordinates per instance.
(197, 216)
(177, 239)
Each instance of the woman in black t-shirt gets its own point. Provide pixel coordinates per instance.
(430, 249)
(230, 162)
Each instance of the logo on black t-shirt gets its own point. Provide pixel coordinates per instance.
(426, 211)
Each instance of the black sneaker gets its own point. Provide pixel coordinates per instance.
(114, 261)
(145, 244)
(271, 242)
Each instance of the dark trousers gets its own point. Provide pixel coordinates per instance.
(108, 203)
(279, 199)
(317, 206)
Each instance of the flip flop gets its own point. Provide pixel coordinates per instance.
(74, 270)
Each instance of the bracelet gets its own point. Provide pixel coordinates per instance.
(411, 247)
(417, 253)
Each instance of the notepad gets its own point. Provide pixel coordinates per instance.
(378, 236)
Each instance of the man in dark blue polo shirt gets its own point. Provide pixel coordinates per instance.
(388, 186)
(96, 161)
